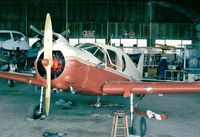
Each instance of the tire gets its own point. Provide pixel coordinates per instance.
(143, 127)
(33, 111)
(139, 126)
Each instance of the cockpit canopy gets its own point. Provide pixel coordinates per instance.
(105, 55)
(94, 50)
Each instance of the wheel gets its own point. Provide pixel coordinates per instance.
(11, 83)
(33, 111)
(143, 127)
(139, 126)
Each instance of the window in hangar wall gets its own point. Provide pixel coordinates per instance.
(86, 40)
(101, 41)
(129, 42)
(175, 43)
(115, 42)
(73, 41)
(142, 43)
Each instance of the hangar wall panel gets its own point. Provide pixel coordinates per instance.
(119, 16)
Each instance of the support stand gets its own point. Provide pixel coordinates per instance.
(120, 128)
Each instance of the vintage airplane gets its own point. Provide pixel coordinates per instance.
(164, 47)
(92, 69)
(13, 47)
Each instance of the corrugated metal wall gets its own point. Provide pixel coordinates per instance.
(133, 16)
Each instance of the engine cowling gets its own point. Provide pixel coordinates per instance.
(56, 69)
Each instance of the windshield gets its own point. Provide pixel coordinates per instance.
(18, 36)
(93, 49)
(4, 36)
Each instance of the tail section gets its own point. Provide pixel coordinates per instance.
(140, 65)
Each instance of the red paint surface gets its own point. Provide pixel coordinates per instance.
(150, 88)
(88, 79)
(84, 78)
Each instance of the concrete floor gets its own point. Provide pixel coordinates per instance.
(82, 121)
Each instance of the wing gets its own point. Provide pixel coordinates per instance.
(21, 77)
(126, 88)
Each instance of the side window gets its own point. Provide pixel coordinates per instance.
(4, 36)
(94, 49)
(123, 63)
(99, 54)
(89, 47)
(17, 36)
(112, 59)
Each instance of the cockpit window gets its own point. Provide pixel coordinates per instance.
(112, 59)
(18, 36)
(100, 54)
(93, 49)
(4, 36)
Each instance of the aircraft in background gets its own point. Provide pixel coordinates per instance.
(13, 51)
(92, 69)
(13, 47)
(164, 47)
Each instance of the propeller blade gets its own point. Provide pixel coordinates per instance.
(36, 30)
(48, 60)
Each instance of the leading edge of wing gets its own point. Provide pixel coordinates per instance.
(21, 77)
(126, 88)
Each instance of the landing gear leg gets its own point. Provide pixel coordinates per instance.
(98, 103)
(41, 100)
(142, 122)
(12, 68)
(132, 131)
(36, 110)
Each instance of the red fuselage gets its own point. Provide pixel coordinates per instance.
(83, 77)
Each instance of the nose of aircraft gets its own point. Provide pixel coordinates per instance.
(57, 67)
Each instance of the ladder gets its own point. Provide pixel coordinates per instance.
(122, 127)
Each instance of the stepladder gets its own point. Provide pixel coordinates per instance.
(120, 124)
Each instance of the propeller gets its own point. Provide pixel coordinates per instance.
(36, 30)
(47, 61)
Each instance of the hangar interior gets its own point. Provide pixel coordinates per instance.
(136, 25)
(167, 33)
